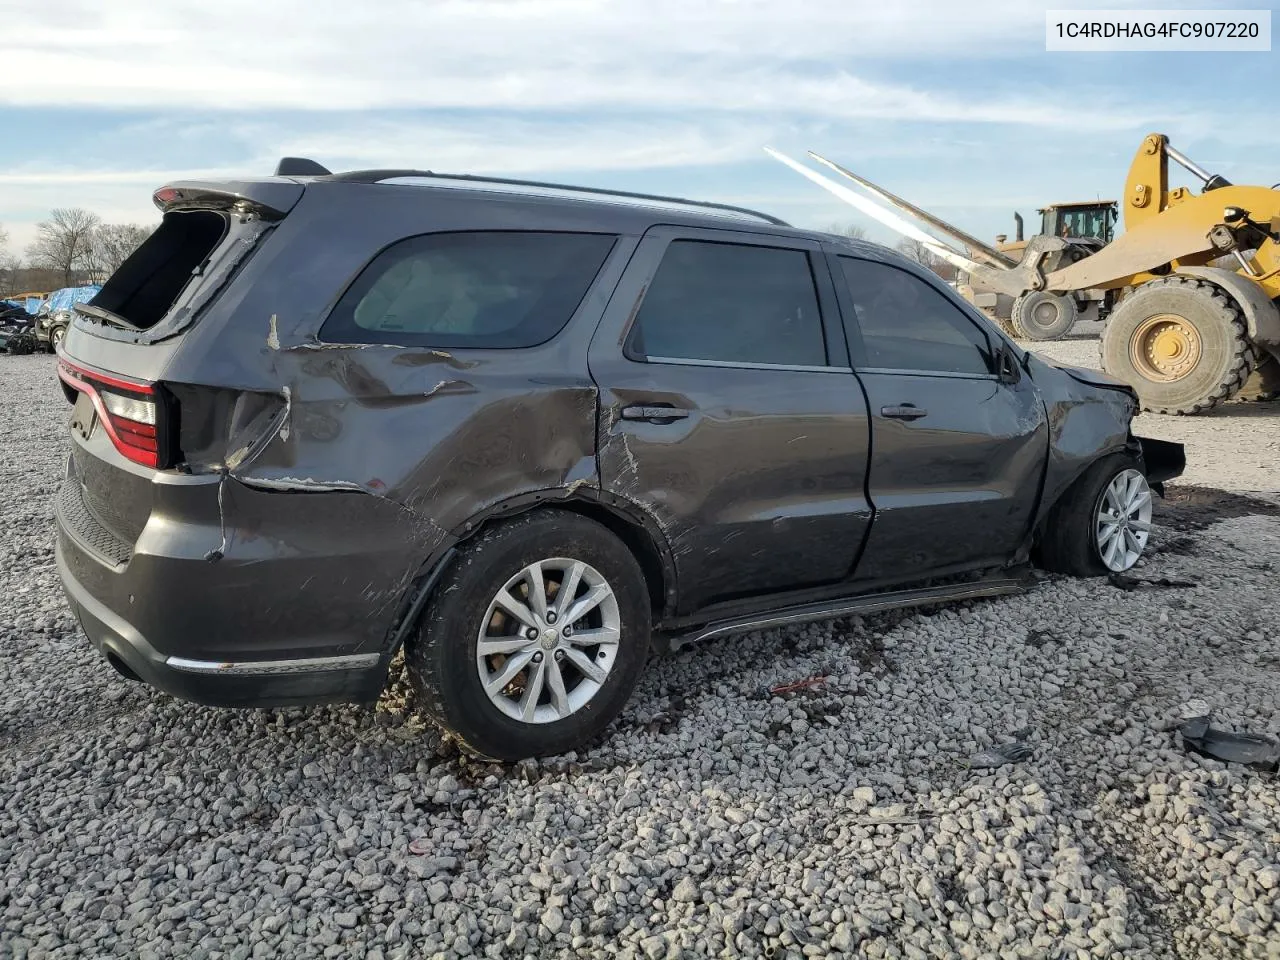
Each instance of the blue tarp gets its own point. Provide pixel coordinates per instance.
(67, 297)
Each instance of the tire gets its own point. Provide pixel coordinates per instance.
(1264, 382)
(1071, 539)
(56, 336)
(1004, 323)
(1041, 315)
(443, 657)
(1215, 370)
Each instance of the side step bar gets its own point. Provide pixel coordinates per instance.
(845, 607)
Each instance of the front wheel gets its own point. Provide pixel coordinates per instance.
(534, 639)
(56, 336)
(1102, 523)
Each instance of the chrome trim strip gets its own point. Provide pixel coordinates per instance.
(744, 365)
(353, 661)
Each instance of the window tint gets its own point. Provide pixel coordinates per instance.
(906, 324)
(733, 303)
(469, 290)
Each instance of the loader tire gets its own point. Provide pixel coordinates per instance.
(1041, 315)
(1181, 343)
(1264, 382)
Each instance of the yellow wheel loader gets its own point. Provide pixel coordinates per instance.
(1185, 331)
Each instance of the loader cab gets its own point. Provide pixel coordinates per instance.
(1080, 221)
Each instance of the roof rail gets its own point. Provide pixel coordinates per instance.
(377, 176)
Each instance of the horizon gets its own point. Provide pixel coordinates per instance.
(961, 112)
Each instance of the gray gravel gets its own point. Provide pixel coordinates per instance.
(715, 820)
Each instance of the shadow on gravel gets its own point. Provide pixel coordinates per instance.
(1190, 508)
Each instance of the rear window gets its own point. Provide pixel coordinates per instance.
(154, 275)
(481, 289)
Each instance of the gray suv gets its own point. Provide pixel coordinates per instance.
(527, 432)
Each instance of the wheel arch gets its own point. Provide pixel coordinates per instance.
(1062, 476)
(1260, 313)
(628, 521)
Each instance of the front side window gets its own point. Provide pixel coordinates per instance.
(905, 324)
(732, 303)
(483, 289)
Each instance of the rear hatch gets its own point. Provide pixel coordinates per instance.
(128, 422)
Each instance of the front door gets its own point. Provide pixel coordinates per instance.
(723, 415)
(958, 454)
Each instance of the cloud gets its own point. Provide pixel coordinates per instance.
(532, 55)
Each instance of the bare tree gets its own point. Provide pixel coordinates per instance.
(64, 242)
(916, 250)
(8, 264)
(113, 243)
(852, 231)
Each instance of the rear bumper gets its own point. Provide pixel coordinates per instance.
(230, 596)
(276, 683)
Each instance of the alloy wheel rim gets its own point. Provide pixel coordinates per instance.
(548, 640)
(1123, 520)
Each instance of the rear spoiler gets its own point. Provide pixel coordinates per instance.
(271, 199)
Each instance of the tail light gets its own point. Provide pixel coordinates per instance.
(132, 412)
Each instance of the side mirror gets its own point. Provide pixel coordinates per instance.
(1007, 367)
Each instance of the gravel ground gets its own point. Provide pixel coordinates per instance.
(716, 819)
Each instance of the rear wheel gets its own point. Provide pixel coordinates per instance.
(534, 639)
(56, 336)
(1102, 523)
(1041, 315)
(1181, 343)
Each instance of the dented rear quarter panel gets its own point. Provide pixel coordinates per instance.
(444, 434)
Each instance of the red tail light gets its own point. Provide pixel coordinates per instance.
(130, 411)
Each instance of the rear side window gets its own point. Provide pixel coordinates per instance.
(146, 285)
(483, 289)
(905, 324)
(733, 303)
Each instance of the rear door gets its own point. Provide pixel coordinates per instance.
(958, 456)
(729, 412)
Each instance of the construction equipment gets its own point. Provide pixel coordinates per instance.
(1184, 331)
(1087, 227)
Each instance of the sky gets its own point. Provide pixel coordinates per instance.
(954, 106)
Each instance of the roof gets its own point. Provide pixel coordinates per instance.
(1081, 203)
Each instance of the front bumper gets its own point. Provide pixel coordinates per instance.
(341, 679)
(1162, 460)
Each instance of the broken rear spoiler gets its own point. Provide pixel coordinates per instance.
(270, 198)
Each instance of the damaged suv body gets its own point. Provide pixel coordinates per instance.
(522, 432)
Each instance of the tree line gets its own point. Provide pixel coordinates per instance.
(72, 247)
(909, 248)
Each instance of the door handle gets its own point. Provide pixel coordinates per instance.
(906, 411)
(655, 413)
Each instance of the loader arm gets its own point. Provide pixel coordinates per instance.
(1175, 237)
